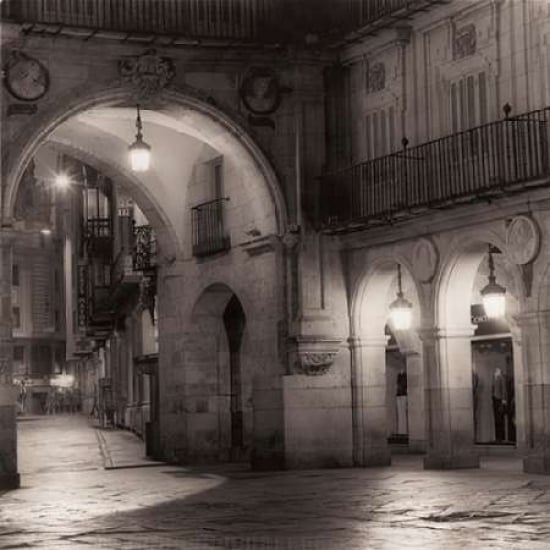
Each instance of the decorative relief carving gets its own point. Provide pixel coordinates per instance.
(464, 43)
(314, 364)
(424, 260)
(149, 73)
(260, 91)
(312, 355)
(522, 240)
(376, 77)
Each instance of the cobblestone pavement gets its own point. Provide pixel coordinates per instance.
(68, 500)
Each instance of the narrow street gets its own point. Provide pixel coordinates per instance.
(69, 500)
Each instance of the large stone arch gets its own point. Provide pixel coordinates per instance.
(215, 124)
(450, 393)
(369, 315)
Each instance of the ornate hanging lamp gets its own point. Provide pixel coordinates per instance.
(139, 151)
(400, 308)
(493, 294)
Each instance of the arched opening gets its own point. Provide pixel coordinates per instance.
(198, 151)
(388, 390)
(480, 366)
(217, 411)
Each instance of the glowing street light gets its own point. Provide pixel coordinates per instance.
(493, 294)
(400, 308)
(62, 180)
(139, 151)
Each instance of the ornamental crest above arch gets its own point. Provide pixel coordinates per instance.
(149, 73)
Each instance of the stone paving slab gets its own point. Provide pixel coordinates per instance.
(122, 449)
(68, 500)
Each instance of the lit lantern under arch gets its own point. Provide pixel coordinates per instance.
(400, 308)
(493, 294)
(139, 151)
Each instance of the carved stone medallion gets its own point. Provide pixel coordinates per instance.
(376, 77)
(424, 260)
(260, 91)
(522, 240)
(149, 73)
(464, 41)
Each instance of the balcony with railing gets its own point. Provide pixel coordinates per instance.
(209, 235)
(234, 20)
(144, 252)
(503, 157)
(98, 235)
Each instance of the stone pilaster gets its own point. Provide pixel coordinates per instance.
(370, 434)
(449, 400)
(535, 390)
(415, 402)
(9, 478)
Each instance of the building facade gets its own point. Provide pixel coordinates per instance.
(297, 161)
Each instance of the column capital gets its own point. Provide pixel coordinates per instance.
(459, 331)
(530, 318)
(356, 342)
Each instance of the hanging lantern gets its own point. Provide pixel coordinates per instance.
(139, 151)
(400, 308)
(493, 294)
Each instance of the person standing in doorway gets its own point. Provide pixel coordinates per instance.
(499, 404)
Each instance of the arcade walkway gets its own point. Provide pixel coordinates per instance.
(68, 500)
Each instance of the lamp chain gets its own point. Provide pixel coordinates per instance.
(492, 278)
(139, 135)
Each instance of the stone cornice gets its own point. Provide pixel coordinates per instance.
(451, 219)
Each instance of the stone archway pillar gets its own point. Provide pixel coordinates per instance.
(449, 400)
(368, 378)
(9, 478)
(415, 402)
(535, 338)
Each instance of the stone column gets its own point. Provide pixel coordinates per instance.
(415, 402)
(368, 379)
(449, 400)
(9, 478)
(535, 339)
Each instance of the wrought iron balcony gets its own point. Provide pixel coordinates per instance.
(269, 21)
(209, 236)
(144, 253)
(499, 158)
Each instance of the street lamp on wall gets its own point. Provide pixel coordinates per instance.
(139, 151)
(400, 308)
(493, 294)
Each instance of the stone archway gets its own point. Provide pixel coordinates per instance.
(370, 312)
(450, 401)
(199, 117)
(218, 420)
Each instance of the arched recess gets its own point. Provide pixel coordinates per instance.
(454, 382)
(217, 397)
(200, 118)
(369, 315)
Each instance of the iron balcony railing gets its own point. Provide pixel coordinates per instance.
(236, 20)
(209, 235)
(122, 269)
(144, 252)
(500, 157)
(98, 228)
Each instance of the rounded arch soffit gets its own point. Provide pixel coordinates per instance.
(20, 152)
(375, 282)
(456, 278)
